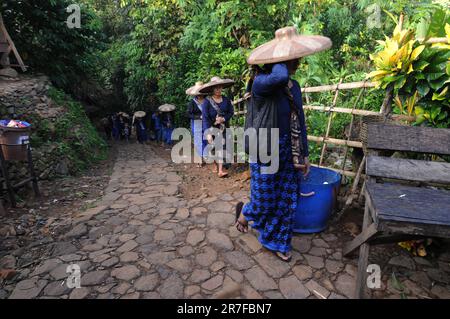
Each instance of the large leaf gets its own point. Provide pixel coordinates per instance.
(423, 88)
(437, 22)
(438, 84)
(434, 76)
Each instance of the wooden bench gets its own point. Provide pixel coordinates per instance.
(402, 208)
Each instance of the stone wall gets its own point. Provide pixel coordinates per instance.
(57, 149)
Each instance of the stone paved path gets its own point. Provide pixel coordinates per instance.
(143, 240)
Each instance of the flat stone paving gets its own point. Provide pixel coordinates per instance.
(143, 240)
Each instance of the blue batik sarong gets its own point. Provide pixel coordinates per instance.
(197, 132)
(273, 201)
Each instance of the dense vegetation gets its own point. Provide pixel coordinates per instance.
(150, 51)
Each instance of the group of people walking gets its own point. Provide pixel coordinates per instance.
(209, 108)
(274, 197)
(145, 127)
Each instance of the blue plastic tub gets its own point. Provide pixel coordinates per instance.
(319, 194)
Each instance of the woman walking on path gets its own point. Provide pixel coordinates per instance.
(141, 129)
(217, 111)
(157, 127)
(273, 198)
(194, 113)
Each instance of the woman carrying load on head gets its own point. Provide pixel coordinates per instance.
(194, 113)
(217, 111)
(273, 198)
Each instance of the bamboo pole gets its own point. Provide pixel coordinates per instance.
(342, 87)
(322, 108)
(435, 40)
(330, 119)
(351, 127)
(398, 117)
(325, 88)
(356, 183)
(335, 141)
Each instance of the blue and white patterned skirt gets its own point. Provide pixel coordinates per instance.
(273, 201)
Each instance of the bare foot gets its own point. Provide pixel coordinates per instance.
(242, 224)
(223, 174)
(284, 257)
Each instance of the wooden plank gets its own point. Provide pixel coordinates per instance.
(365, 235)
(413, 228)
(410, 204)
(408, 138)
(364, 252)
(407, 169)
(394, 238)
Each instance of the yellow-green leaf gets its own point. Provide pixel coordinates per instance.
(417, 51)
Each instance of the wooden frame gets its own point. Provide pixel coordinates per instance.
(6, 46)
(10, 188)
(391, 218)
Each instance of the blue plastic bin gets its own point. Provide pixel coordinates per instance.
(321, 187)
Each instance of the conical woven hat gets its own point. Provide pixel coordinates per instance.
(216, 81)
(195, 90)
(167, 108)
(139, 114)
(288, 45)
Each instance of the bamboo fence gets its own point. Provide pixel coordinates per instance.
(324, 141)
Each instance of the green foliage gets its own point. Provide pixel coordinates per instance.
(73, 134)
(47, 45)
(419, 72)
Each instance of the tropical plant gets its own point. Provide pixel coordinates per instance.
(417, 70)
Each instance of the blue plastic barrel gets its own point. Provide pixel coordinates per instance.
(319, 195)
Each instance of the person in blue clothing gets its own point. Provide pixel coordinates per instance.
(273, 212)
(157, 126)
(115, 126)
(167, 125)
(141, 129)
(273, 198)
(194, 113)
(217, 111)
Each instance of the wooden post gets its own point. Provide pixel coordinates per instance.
(11, 45)
(386, 108)
(364, 251)
(5, 174)
(32, 173)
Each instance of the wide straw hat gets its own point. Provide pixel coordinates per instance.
(140, 114)
(216, 81)
(288, 45)
(195, 90)
(167, 108)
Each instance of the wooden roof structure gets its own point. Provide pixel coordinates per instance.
(6, 46)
